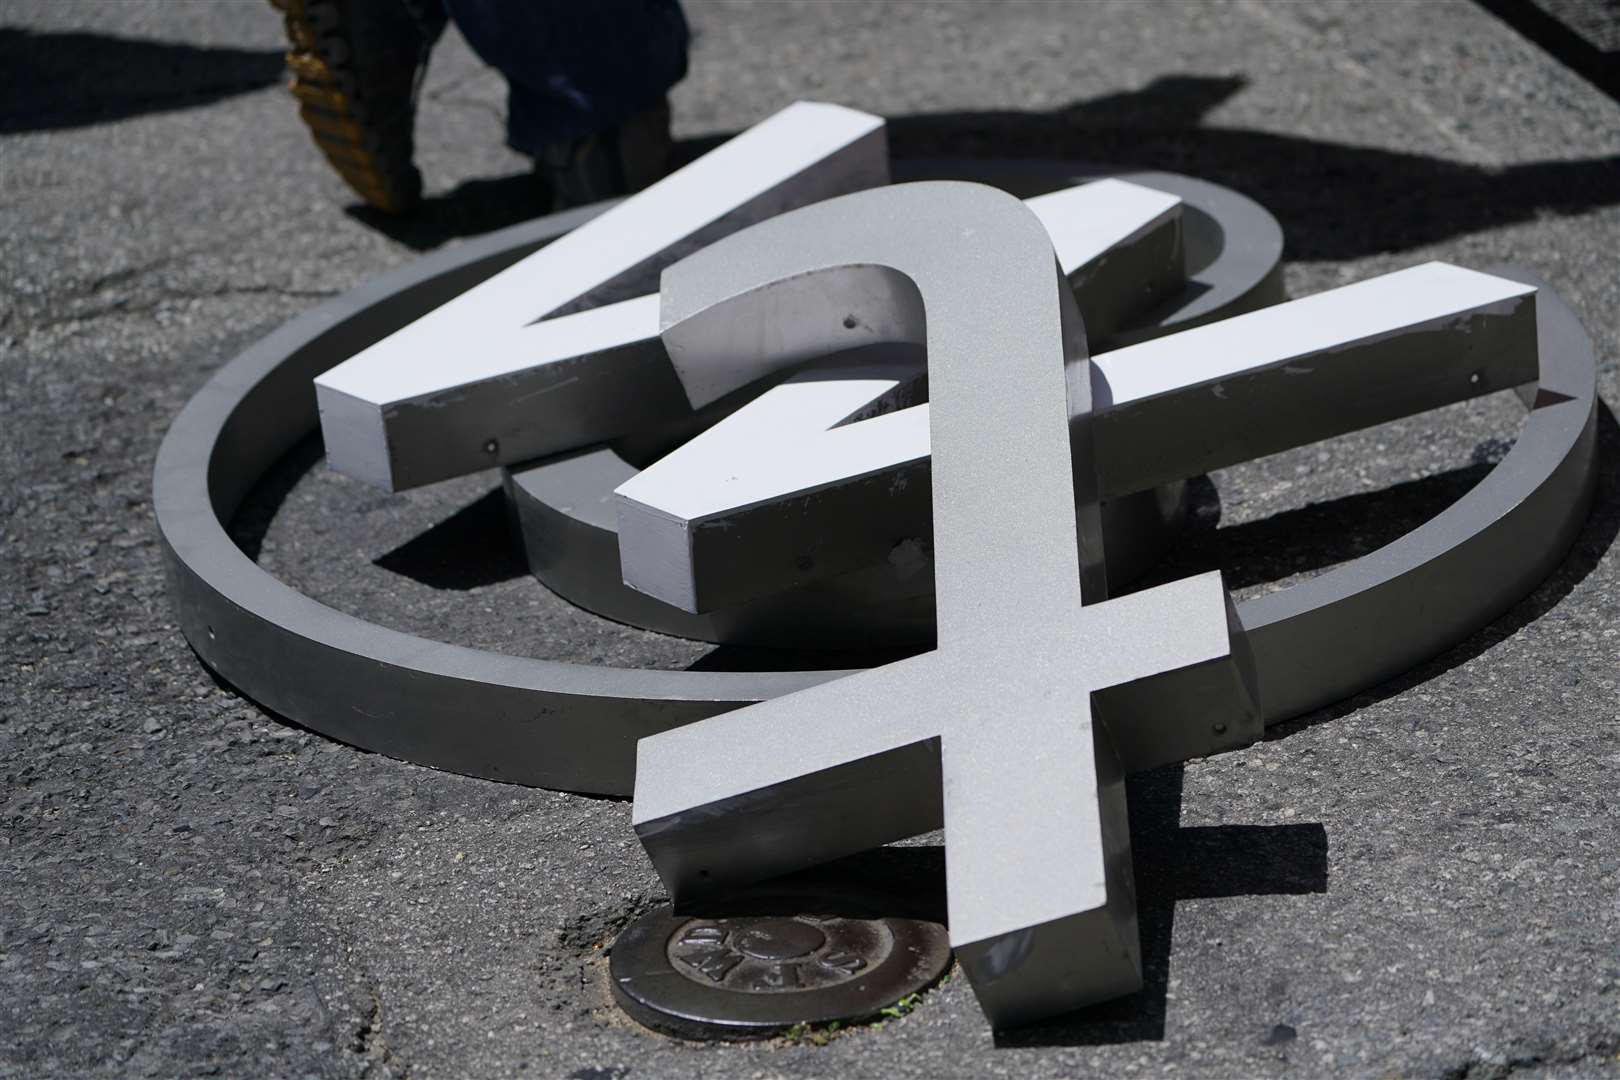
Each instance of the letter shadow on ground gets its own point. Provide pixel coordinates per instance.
(1174, 863)
(1591, 544)
(251, 522)
(1325, 534)
(1335, 201)
(473, 547)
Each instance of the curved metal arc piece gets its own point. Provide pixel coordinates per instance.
(1367, 621)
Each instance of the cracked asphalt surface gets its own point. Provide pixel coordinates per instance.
(1422, 881)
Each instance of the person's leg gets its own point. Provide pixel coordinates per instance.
(355, 65)
(587, 81)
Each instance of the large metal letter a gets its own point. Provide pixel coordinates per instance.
(995, 733)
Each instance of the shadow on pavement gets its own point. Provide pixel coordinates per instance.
(1306, 539)
(472, 547)
(468, 549)
(251, 522)
(1174, 863)
(1587, 43)
(473, 208)
(1593, 542)
(1334, 200)
(50, 81)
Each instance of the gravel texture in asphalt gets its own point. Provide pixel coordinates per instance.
(1424, 880)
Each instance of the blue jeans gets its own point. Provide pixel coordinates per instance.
(575, 67)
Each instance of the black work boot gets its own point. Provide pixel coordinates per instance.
(356, 66)
(619, 161)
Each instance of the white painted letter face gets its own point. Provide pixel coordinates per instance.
(504, 372)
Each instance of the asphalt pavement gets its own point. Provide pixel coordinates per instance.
(1421, 881)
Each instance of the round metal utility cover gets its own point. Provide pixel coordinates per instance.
(790, 959)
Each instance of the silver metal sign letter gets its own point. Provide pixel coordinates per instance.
(995, 733)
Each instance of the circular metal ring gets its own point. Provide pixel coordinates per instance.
(575, 727)
(565, 510)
